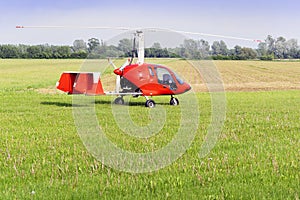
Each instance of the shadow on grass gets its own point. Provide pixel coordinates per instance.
(61, 104)
(98, 102)
(105, 102)
(131, 103)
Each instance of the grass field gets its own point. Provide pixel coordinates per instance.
(257, 155)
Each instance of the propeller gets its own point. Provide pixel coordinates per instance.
(118, 78)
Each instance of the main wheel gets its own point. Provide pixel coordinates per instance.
(119, 101)
(174, 101)
(150, 104)
(137, 91)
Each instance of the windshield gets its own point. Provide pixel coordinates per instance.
(164, 76)
(180, 81)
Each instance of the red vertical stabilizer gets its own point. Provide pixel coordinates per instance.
(80, 83)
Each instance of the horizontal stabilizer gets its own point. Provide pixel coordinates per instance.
(87, 83)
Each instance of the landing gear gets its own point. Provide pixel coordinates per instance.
(119, 101)
(174, 101)
(150, 103)
(137, 91)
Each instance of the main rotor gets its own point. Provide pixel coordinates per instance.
(137, 30)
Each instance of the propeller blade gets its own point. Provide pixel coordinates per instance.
(111, 63)
(118, 84)
(125, 64)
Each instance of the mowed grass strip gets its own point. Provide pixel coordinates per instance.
(257, 155)
(257, 75)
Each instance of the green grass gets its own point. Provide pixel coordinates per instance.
(42, 157)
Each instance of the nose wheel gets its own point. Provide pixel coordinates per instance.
(174, 101)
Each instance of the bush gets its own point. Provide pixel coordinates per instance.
(268, 57)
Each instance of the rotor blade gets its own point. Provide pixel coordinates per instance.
(202, 34)
(219, 36)
(76, 27)
(139, 29)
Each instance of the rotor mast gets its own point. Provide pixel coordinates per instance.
(139, 35)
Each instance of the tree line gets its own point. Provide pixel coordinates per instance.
(271, 48)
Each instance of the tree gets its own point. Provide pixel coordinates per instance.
(22, 51)
(292, 48)
(125, 45)
(61, 51)
(112, 51)
(237, 52)
(280, 48)
(270, 42)
(216, 48)
(9, 51)
(34, 52)
(191, 49)
(156, 53)
(203, 47)
(156, 45)
(248, 53)
(262, 49)
(223, 48)
(64, 51)
(219, 48)
(80, 54)
(93, 44)
(79, 46)
(262, 52)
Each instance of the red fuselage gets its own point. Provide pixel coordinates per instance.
(153, 80)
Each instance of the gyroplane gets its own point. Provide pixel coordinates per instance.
(136, 79)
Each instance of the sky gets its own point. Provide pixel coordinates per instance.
(254, 19)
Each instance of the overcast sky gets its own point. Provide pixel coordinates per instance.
(241, 18)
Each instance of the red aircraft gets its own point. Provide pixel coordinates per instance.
(140, 79)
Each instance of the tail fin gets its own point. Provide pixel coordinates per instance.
(88, 83)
